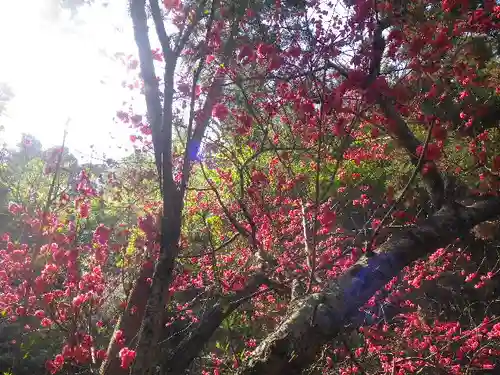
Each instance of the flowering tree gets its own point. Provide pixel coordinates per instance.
(329, 170)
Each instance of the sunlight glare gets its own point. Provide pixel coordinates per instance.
(60, 69)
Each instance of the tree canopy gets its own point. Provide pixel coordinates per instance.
(314, 189)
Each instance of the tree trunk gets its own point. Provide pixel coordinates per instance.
(151, 327)
(318, 318)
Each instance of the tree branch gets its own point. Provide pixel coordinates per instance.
(151, 90)
(194, 143)
(369, 249)
(215, 250)
(191, 345)
(160, 27)
(319, 317)
(401, 132)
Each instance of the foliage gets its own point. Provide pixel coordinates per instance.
(288, 147)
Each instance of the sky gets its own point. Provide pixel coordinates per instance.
(64, 69)
(64, 75)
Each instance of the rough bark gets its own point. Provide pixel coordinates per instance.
(152, 322)
(319, 317)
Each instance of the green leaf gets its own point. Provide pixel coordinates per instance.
(131, 244)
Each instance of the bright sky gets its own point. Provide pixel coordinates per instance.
(62, 69)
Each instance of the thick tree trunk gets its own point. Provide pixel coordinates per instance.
(318, 318)
(151, 327)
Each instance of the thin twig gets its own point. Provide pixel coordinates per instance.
(369, 249)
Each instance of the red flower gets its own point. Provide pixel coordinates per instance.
(463, 95)
(328, 218)
(84, 210)
(14, 208)
(120, 337)
(220, 111)
(53, 367)
(79, 300)
(433, 151)
(294, 52)
(439, 133)
(251, 343)
(145, 129)
(308, 107)
(329, 362)
(127, 356)
(246, 54)
(101, 234)
(59, 360)
(46, 322)
(101, 354)
(470, 277)
(275, 63)
(258, 177)
(246, 124)
(157, 55)
(172, 4)
(264, 50)
(21, 310)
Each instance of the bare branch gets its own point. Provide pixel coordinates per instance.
(160, 27)
(199, 69)
(184, 37)
(378, 47)
(151, 90)
(217, 249)
(241, 230)
(194, 143)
